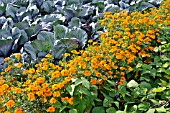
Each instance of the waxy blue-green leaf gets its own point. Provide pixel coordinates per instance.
(60, 31)
(5, 47)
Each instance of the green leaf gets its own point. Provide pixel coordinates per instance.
(161, 109)
(159, 89)
(73, 111)
(165, 65)
(62, 108)
(117, 104)
(111, 110)
(70, 89)
(98, 110)
(112, 83)
(153, 72)
(145, 85)
(143, 106)
(57, 104)
(151, 111)
(81, 107)
(132, 83)
(106, 102)
(120, 111)
(85, 83)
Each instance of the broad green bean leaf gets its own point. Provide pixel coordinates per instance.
(143, 106)
(73, 111)
(106, 102)
(145, 85)
(159, 89)
(120, 111)
(151, 111)
(85, 83)
(161, 109)
(111, 110)
(98, 110)
(132, 83)
(81, 107)
(70, 89)
(5, 47)
(57, 104)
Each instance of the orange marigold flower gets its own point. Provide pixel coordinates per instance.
(87, 73)
(1, 92)
(4, 86)
(10, 103)
(1, 82)
(51, 109)
(17, 90)
(31, 70)
(48, 56)
(18, 55)
(18, 110)
(53, 100)
(159, 41)
(40, 80)
(6, 59)
(6, 112)
(31, 96)
(70, 101)
(56, 94)
(19, 65)
(55, 74)
(65, 72)
(92, 81)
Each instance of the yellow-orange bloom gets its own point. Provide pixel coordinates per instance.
(56, 94)
(55, 74)
(65, 72)
(51, 109)
(10, 104)
(31, 96)
(18, 110)
(53, 100)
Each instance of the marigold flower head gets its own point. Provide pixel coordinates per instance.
(17, 56)
(10, 103)
(18, 110)
(51, 109)
(53, 100)
(56, 94)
